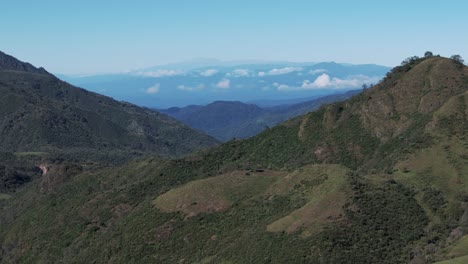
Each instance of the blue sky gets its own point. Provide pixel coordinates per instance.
(74, 37)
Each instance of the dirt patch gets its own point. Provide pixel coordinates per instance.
(56, 175)
(302, 128)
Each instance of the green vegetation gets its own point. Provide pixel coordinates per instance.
(460, 248)
(460, 260)
(40, 113)
(4, 196)
(379, 178)
(40, 154)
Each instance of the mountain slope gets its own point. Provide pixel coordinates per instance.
(379, 178)
(41, 113)
(226, 120)
(372, 127)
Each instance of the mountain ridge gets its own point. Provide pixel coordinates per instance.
(8, 62)
(226, 120)
(43, 113)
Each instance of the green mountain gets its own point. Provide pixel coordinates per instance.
(226, 120)
(40, 113)
(379, 178)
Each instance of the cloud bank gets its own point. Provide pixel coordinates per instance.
(324, 81)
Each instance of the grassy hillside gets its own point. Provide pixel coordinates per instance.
(40, 113)
(379, 178)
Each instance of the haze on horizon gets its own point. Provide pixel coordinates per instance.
(96, 37)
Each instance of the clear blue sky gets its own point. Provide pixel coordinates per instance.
(108, 36)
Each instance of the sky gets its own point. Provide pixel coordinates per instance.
(86, 37)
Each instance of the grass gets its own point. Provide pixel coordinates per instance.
(30, 153)
(460, 248)
(459, 260)
(216, 193)
(4, 196)
(325, 189)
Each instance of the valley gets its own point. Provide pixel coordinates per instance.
(226, 120)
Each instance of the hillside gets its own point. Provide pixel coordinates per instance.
(40, 113)
(226, 120)
(378, 178)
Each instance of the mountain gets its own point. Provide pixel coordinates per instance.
(179, 85)
(379, 178)
(40, 113)
(226, 120)
(10, 63)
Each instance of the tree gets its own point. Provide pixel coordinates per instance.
(428, 54)
(457, 58)
(409, 60)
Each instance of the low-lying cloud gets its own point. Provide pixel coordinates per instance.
(317, 71)
(284, 70)
(160, 73)
(324, 81)
(224, 84)
(209, 72)
(239, 73)
(191, 88)
(153, 89)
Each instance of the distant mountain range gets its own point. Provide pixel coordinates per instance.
(40, 113)
(226, 120)
(206, 81)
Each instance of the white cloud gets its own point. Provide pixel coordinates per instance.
(284, 87)
(153, 89)
(261, 74)
(191, 88)
(209, 72)
(239, 73)
(321, 82)
(324, 81)
(317, 71)
(224, 84)
(160, 73)
(285, 70)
